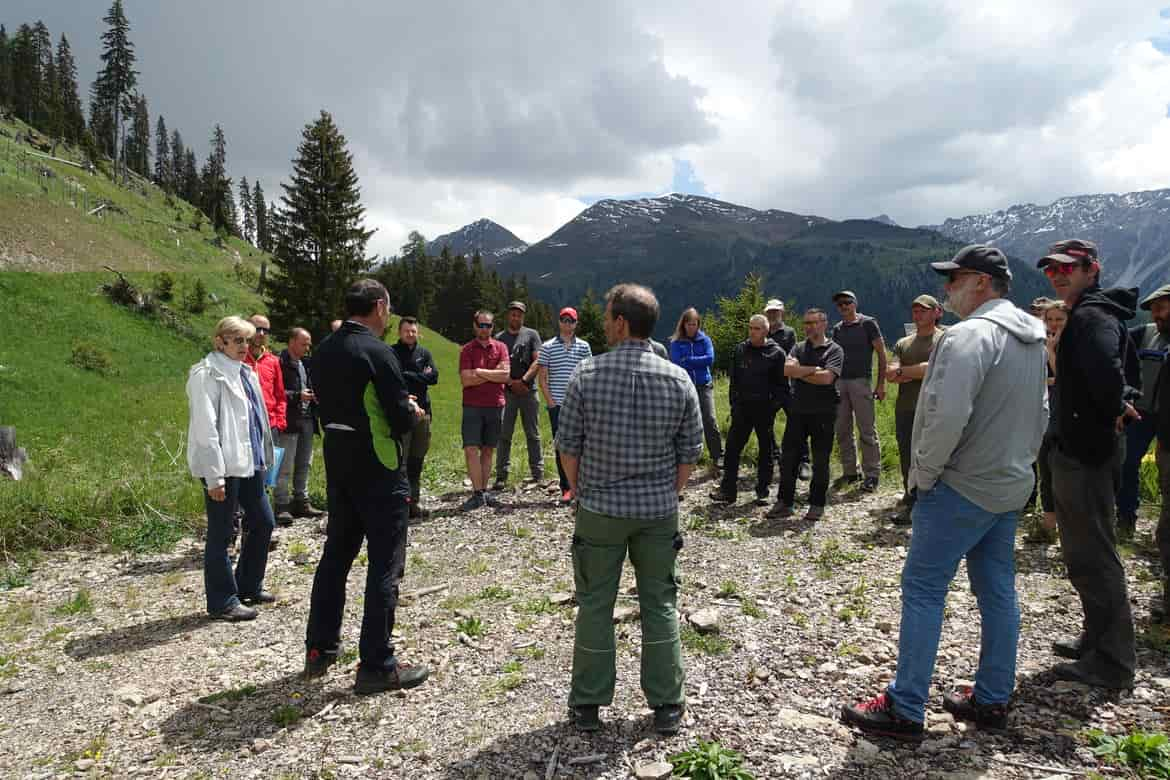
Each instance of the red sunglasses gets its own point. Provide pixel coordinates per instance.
(1060, 269)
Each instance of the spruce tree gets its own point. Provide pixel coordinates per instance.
(5, 68)
(215, 187)
(190, 179)
(72, 119)
(178, 159)
(260, 212)
(321, 236)
(591, 323)
(101, 121)
(117, 77)
(162, 155)
(43, 109)
(26, 73)
(137, 151)
(248, 225)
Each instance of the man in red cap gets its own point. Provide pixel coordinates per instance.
(557, 359)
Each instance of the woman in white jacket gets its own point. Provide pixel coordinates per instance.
(229, 447)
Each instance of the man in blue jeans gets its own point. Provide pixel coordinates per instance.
(977, 428)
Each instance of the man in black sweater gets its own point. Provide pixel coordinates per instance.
(1085, 459)
(365, 410)
(758, 389)
(418, 367)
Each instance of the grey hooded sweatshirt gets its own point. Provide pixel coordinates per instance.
(983, 408)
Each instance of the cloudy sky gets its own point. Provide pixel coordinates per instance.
(526, 112)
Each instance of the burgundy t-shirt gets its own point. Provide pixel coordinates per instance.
(483, 354)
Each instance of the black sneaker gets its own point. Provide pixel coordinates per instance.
(263, 597)
(961, 703)
(1069, 648)
(235, 614)
(870, 485)
(668, 718)
(283, 516)
(585, 717)
(844, 481)
(399, 678)
(317, 662)
(804, 472)
(877, 716)
(761, 498)
(719, 497)
(500, 485)
(475, 502)
(780, 510)
(1076, 672)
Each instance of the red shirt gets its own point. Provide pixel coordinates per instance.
(271, 378)
(483, 354)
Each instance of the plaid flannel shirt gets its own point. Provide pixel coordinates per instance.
(632, 418)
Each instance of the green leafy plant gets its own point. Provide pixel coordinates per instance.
(709, 761)
(286, 715)
(707, 644)
(750, 608)
(164, 287)
(1147, 753)
(90, 357)
(471, 626)
(729, 589)
(235, 694)
(196, 299)
(495, 593)
(80, 604)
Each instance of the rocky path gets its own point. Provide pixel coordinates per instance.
(108, 666)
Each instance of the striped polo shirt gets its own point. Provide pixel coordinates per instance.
(560, 359)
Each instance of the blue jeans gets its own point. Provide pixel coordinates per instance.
(948, 527)
(1138, 435)
(223, 587)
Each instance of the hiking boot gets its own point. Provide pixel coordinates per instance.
(1069, 648)
(283, 516)
(1075, 672)
(535, 479)
(566, 497)
(877, 716)
(317, 662)
(668, 718)
(585, 717)
(489, 498)
(302, 508)
(475, 502)
(903, 518)
(720, 497)
(235, 613)
(804, 472)
(762, 497)
(263, 597)
(869, 485)
(500, 485)
(814, 513)
(780, 510)
(1126, 526)
(844, 481)
(416, 512)
(399, 678)
(961, 703)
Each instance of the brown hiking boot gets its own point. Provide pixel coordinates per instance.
(302, 508)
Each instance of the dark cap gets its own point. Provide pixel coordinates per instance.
(518, 305)
(1069, 251)
(848, 294)
(1161, 292)
(977, 257)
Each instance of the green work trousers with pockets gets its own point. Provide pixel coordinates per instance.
(600, 543)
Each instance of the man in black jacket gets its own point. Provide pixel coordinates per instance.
(785, 337)
(418, 367)
(1085, 457)
(300, 428)
(758, 389)
(1158, 402)
(365, 410)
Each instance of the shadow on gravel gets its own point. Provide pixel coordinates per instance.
(227, 720)
(188, 562)
(136, 637)
(884, 535)
(531, 751)
(779, 527)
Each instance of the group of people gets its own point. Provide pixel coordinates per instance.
(980, 404)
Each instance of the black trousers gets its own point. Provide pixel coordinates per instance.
(554, 416)
(367, 503)
(746, 417)
(1084, 497)
(816, 432)
(904, 432)
(776, 454)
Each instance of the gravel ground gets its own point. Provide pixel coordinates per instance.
(109, 667)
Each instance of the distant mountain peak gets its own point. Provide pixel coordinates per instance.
(493, 241)
(885, 219)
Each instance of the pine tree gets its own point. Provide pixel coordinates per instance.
(5, 68)
(72, 119)
(137, 150)
(117, 77)
(215, 186)
(190, 179)
(260, 213)
(321, 237)
(26, 73)
(248, 226)
(101, 121)
(43, 109)
(162, 155)
(178, 159)
(591, 323)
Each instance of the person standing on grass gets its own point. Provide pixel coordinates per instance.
(484, 369)
(299, 430)
(558, 359)
(1085, 459)
(365, 410)
(692, 349)
(907, 370)
(785, 337)
(523, 346)
(229, 447)
(758, 389)
(629, 434)
(977, 428)
(860, 336)
(813, 367)
(420, 372)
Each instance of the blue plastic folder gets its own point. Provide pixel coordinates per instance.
(274, 470)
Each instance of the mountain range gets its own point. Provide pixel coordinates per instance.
(493, 242)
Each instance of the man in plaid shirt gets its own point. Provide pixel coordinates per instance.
(629, 434)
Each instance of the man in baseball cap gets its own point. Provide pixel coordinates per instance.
(976, 258)
(558, 357)
(860, 336)
(785, 337)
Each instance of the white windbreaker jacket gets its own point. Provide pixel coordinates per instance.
(218, 445)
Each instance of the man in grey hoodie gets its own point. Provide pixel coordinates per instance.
(977, 428)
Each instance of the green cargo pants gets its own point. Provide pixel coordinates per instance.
(600, 543)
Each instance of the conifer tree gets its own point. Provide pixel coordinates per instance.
(43, 111)
(190, 179)
(72, 119)
(163, 176)
(215, 187)
(101, 121)
(117, 78)
(260, 214)
(591, 323)
(248, 226)
(26, 73)
(5, 68)
(137, 151)
(321, 237)
(178, 160)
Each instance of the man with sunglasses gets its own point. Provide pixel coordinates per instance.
(1085, 459)
(557, 360)
(860, 336)
(484, 367)
(267, 368)
(519, 399)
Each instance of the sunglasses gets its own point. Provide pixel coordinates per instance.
(810, 323)
(955, 276)
(568, 320)
(263, 330)
(483, 325)
(1059, 269)
(843, 304)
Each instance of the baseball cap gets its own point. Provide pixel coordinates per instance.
(1161, 292)
(568, 311)
(1043, 302)
(844, 294)
(926, 302)
(1072, 250)
(518, 305)
(774, 304)
(976, 257)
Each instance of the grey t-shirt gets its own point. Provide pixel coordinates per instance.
(857, 338)
(522, 350)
